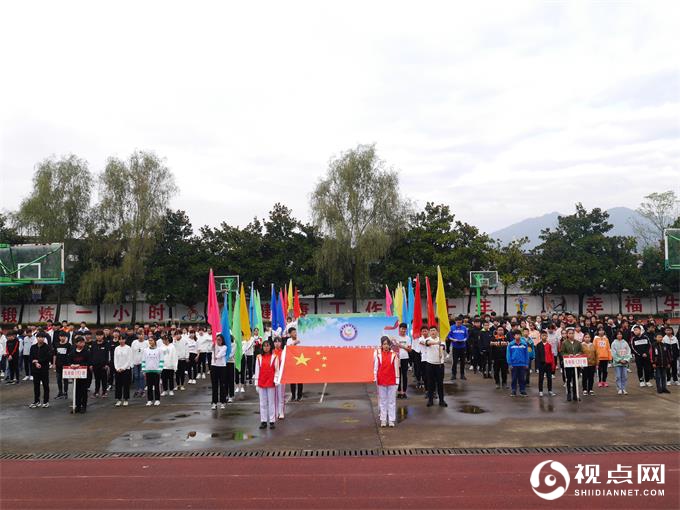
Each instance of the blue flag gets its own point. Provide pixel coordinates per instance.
(226, 330)
(411, 306)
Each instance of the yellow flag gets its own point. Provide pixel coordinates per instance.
(442, 309)
(245, 323)
(290, 295)
(398, 302)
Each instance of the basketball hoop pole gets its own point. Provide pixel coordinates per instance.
(478, 288)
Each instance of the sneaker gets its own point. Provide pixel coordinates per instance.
(263, 425)
(202, 376)
(149, 403)
(524, 393)
(281, 417)
(391, 424)
(25, 378)
(585, 392)
(498, 386)
(591, 393)
(649, 384)
(118, 403)
(443, 404)
(513, 394)
(540, 393)
(552, 393)
(677, 383)
(642, 384)
(463, 378)
(213, 407)
(620, 392)
(243, 389)
(46, 404)
(625, 392)
(157, 403)
(181, 388)
(230, 400)
(164, 393)
(383, 424)
(272, 425)
(34, 405)
(605, 385)
(172, 393)
(125, 403)
(223, 406)
(30, 378)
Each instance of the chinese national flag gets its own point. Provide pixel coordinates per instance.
(327, 365)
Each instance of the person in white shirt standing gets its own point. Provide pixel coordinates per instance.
(432, 350)
(122, 364)
(192, 350)
(180, 343)
(249, 349)
(204, 341)
(403, 341)
(28, 341)
(218, 373)
(139, 344)
(169, 366)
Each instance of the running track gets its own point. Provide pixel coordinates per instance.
(344, 482)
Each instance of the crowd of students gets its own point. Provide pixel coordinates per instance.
(156, 361)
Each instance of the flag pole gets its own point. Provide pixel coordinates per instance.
(323, 392)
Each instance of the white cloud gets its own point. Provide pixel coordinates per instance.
(525, 106)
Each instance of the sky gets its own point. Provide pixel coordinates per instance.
(502, 110)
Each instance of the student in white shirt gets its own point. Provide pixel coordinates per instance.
(218, 373)
(122, 364)
(417, 359)
(152, 366)
(28, 341)
(180, 343)
(169, 366)
(432, 350)
(249, 349)
(204, 341)
(192, 350)
(139, 344)
(403, 341)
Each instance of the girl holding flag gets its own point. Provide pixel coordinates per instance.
(266, 372)
(280, 396)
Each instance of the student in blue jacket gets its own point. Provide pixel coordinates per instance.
(518, 359)
(531, 350)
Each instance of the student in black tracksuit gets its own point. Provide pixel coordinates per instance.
(81, 356)
(499, 347)
(660, 357)
(100, 353)
(13, 354)
(41, 357)
(474, 346)
(640, 344)
(62, 356)
(485, 339)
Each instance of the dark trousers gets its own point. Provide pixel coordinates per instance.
(458, 358)
(672, 371)
(123, 380)
(180, 373)
(99, 372)
(62, 384)
(27, 364)
(528, 376)
(485, 362)
(403, 375)
(571, 374)
(81, 393)
(602, 370)
(544, 371)
(153, 386)
(296, 390)
(644, 368)
(218, 379)
(13, 368)
(168, 378)
(588, 377)
(230, 380)
(500, 371)
(191, 365)
(660, 376)
(434, 379)
(475, 359)
(250, 367)
(241, 374)
(519, 377)
(202, 359)
(111, 372)
(41, 376)
(416, 361)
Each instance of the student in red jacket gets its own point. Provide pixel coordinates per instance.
(386, 376)
(266, 373)
(545, 362)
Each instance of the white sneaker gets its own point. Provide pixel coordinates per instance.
(230, 400)
(118, 403)
(552, 393)
(30, 378)
(157, 403)
(677, 383)
(281, 417)
(649, 384)
(391, 424)
(540, 393)
(383, 424)
(46, 404)
(202, 376)
(243, 390)
(181, 388)
(642, 384)
(125, 403)
(172, 393)
(223, 406)
(620, 392)
(149, 403)
(25, 378)
(625, 392)
(164, 393)
(213, 407)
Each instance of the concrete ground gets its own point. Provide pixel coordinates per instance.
(478, 415)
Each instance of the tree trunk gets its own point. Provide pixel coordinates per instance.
(505, 299)
(580, 303)
(469, 301)
(354, 288)
(58, 312)
(99, 314)
(316, 304)
(620, 296)
(20, 319)
(133, 317)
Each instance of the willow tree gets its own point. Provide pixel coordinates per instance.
(57, 209)
(134, 195)
(358, 210)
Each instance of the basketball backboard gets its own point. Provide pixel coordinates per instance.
(31, 264)
(479, 279)
(672, 248)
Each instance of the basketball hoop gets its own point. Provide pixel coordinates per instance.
(36, 292)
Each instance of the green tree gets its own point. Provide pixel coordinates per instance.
(622, 273)
(659, 210)
(512, 263)
(134, 194)
(358, 211)
(57, 209)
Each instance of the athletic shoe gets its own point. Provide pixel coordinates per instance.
(642, 385)
(125, 403)
(403, 395)
(664, 391)
(263, 425)
(34, 405)
(383, 424)
(540, 393)
(443, 404)
(230, 400)
(677, 383)
(157, 403)
(585, 392)
(591, 393)
(463, 378)
(552, 393)
(46, 404)
(223, 406)
(523, 393)
(164, 393)
(202, 376)
(430, 403)
(149, 403)
(281, 417)
(30, 377)
(181, 388)
(498, 386)
(620, 392)
(649, 384)
(599, 385)
(213, 407)
(172, 393)
(118, 403)
(625, 392)
(25, 378)
(391, 424)
(605, 384)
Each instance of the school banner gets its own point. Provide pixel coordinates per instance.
(345, 330)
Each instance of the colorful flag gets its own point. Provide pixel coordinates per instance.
(417, 310)
(273, 307)
(226, 330)
(245, 321)
(289, 297)
(404, 306)
(237, 332)
(388, 302)
(284, 315)
(430, 306)
(411, 306)
(297, 311)
(251, 304)
(327, 364)
(398, 300)
(442, 308)
(258, 313)
(213, 307)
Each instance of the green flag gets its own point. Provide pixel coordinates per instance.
(258, 312)
(236, 331)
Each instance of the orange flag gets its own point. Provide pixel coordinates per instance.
(327, 364)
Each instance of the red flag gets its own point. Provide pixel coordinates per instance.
(213, 308)
(285, 303)
(388, 302)
(296, 305)
(430, 306)
(327, 364)
(417, 310)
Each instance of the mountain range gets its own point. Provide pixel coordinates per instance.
(619, 217)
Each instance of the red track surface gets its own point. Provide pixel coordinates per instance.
(368, 482)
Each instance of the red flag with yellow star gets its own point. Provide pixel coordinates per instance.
(327, 365)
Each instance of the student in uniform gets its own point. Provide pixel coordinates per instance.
(139, 344)
(231, 373)
(280, 389)
(204, 342)
(588, 348)
(122, 365)
(169, 366)
(660, 357)
(530, 351)
(621, 356)
(545, 362)
(517, 356)
(386, 374)
(404, 343)
(640, 344)
(100, 363)
(28, 341)
(459, 337)
(432, 350)
(604, 355)
(296, 389)
(218, 373)
(570, 347)
(249, 348)
(12, 354)
(485, 339)
(266, 373)
(192, 351)
(180, 343)
(672, 342)
(41, 357)
(417, 358)
(499, 346)
(152, 366)
(81, 357)
(62, 355)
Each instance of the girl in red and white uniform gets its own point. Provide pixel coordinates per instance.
(266, 371)
(386, 376)
(280, 396)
